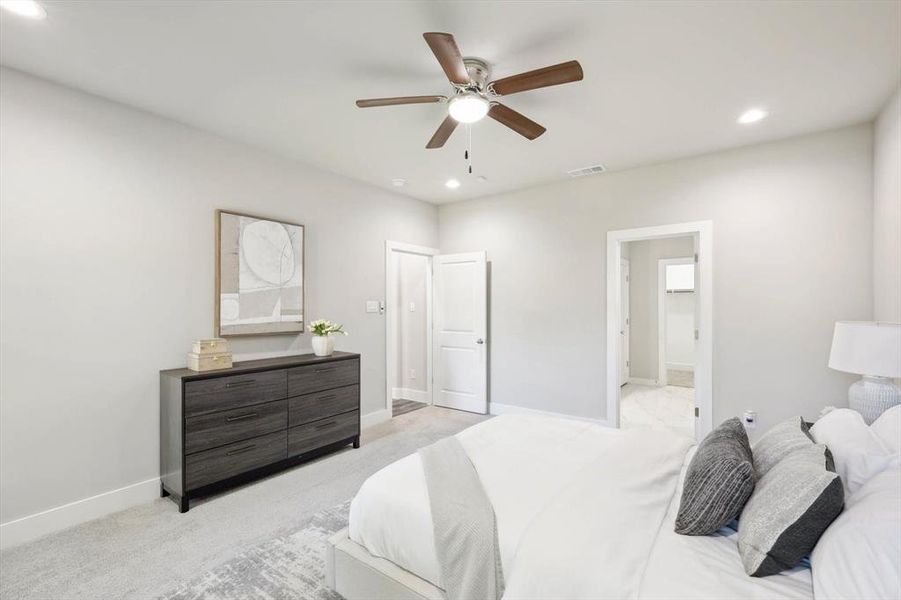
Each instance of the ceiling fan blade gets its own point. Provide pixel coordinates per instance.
(368, 103)
(445, 49)
(563, 73)
(520, 124)
(444, 131)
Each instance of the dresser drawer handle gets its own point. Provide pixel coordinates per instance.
(240, 383)
(325, 369)
(241, 450)
(324, 425)
(328, 397)
(241, 417)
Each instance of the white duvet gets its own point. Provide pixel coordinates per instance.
(583, 512)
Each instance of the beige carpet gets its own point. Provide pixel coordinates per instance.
(150, 550)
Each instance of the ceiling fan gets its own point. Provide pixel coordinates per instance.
(474, 96)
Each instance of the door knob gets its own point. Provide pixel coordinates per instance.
(480, 341)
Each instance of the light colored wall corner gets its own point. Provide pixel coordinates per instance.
(781, 280)
(887, 212)
(106, 248)
(31, 527)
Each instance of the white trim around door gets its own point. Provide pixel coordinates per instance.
(703, 232)
(391, 315)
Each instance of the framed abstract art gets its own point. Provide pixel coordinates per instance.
(259, 275)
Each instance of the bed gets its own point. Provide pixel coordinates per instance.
(583, 511)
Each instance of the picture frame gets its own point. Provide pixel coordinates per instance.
(259, 277)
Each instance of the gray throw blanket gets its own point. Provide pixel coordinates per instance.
(464, 524)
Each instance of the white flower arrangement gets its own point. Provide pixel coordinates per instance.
(323, 327)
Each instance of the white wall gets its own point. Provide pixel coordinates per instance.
(792, 245)
(106, 266)
(887, 212)
(412, 325)
(643, 297)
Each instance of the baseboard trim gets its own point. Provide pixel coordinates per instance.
(374, 418)
(409, 394)
(680, 367)
(25, 529)
(642, 381)
(509, 409)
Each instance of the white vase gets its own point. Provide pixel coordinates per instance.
(323, 345)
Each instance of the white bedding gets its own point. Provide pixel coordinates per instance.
(583, 511)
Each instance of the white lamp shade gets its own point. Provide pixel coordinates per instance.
(867, 348)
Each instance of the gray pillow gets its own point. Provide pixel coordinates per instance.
(718, 482)
(778, 442)
(791, 507)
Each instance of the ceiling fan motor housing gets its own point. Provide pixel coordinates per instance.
(479, 74)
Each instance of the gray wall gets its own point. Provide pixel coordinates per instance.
(792, 253)
(106, 266)
(643, 262)
(887, 213)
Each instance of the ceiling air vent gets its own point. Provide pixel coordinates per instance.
(592, 170)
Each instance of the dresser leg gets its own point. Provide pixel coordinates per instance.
(357, 442)
(163, 492)
(183, 504)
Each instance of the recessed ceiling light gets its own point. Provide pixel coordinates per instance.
(24, 8)
(398, 182)
(752, 116)
(468, 107)
(452, 184)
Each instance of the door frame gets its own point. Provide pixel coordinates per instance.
(703, 230)
(661, 313)
(392, 315)
(626, 334)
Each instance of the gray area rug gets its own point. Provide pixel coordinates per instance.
(289, 566)
(150, 550)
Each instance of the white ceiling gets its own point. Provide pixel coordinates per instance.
(662, 79)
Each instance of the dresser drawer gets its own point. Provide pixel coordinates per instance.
(312, 407)
(215, 429)
(234, 391)
(304, 438)
(220, 463)
(323, 376)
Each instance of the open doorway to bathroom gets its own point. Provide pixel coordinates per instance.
(661, 334)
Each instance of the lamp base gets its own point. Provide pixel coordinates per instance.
(871, 396)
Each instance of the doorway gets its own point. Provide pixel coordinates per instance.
(436, 329)
(408, 307)
(662, 377)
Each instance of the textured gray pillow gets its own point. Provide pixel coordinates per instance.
(718, 482)
(778, 442)
(791, 507)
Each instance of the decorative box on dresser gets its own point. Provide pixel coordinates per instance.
(221, 428)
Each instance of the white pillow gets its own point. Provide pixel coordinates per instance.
(888, 428)
(859, 555)
(857, 449)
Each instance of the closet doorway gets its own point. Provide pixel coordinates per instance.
(408, 309)
(436, 329)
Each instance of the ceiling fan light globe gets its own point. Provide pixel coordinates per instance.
(468, 108)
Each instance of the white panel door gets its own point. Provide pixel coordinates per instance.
(461, 326)
(625, 319)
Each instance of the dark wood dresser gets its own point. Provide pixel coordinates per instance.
(221, 428)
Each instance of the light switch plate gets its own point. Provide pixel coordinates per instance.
(372, 306)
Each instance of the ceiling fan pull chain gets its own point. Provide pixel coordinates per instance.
(469, 147)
